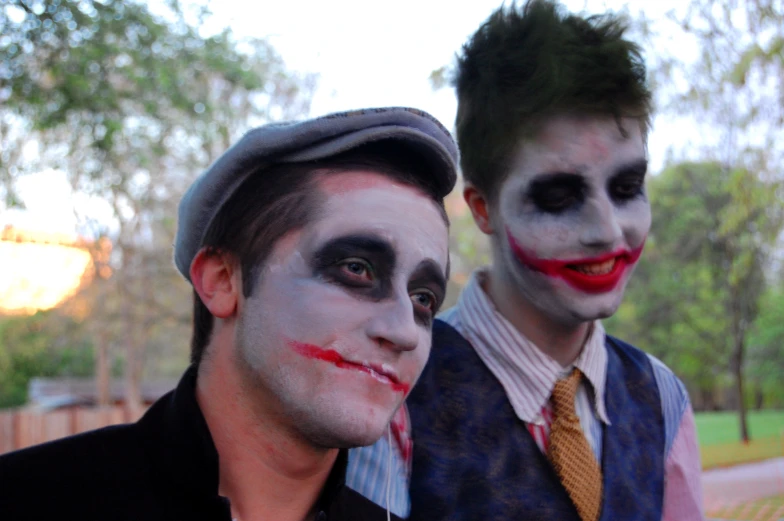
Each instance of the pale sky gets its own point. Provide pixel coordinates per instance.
(366, 53)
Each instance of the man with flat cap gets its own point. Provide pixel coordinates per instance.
(318, 256)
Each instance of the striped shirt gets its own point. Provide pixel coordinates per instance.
(528, 377)
(526, 373)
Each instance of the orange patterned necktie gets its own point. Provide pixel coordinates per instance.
(571, 454)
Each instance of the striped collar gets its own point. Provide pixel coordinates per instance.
(527, 374)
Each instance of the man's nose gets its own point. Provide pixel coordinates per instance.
(393, 325)
(600, 226)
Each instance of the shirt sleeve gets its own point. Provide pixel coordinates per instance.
(682, 474)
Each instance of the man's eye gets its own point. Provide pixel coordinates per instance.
(556, 193)
(557, 201)
(425, 300)
(624, 190)
(356, 269)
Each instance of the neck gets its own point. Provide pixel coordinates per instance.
(266, 471)
(561, 341)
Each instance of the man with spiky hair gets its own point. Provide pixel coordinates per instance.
(526, 408)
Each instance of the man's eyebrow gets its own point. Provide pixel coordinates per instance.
(637, 167)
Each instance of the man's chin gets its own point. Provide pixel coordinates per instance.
(361, 441)
(599, 311)
(354, 432)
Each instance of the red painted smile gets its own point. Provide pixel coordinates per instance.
(333, 357)
(591, 275)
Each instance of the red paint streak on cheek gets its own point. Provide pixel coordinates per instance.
(333, 357)
(399, 387)
(634, 255)
(317, 353)
(553, 267)
(547, 266)
(563, 269)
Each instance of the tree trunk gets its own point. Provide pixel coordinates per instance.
(133, 395)
(759, 398)
(738, 348)
(102, 373)
(101, 329)
(737, 370)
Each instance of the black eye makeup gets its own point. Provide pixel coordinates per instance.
(629, 182)
(427, 288)
(362, 264)
(557, 192)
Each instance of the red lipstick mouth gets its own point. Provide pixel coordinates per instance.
(329, 355)
(598, 274)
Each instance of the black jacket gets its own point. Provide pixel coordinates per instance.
(164, 467)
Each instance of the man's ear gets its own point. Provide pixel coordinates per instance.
(212, 276)
(480, 208)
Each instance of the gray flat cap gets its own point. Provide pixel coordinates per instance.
(302, 141)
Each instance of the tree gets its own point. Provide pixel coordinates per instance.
(732, 90)
(720, 63)
(698, 289)
(132, 105)
(45, 344)
(766, 349)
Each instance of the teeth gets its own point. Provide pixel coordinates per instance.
(602, 268)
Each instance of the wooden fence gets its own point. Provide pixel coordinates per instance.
(22, 428)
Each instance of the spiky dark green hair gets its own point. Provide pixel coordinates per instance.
(525, 64)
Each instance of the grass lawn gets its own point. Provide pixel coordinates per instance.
(723, 427)
(767, 509)
(719, 433)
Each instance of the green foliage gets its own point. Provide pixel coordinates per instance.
(439, 78)
(731, 88)
(701, 278)
(468, 245)
(132, 101)
(93, 57)
(766, 348)
(122, 88)
(45, 344)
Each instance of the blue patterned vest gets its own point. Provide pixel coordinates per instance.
(474, 459)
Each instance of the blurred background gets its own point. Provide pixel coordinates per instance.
(109, 109)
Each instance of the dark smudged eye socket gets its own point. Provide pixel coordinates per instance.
(426, 288)
(356, 261)
(556, 203)
(356, 270)
(425, 307)
(626, 189)
(557, 192)
(558, 199)
(629, 182)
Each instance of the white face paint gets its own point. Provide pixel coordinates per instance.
(338, 327)
(572, 217)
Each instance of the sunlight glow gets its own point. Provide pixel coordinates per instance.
(40, 271)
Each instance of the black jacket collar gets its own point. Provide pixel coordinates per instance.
(176, 430)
